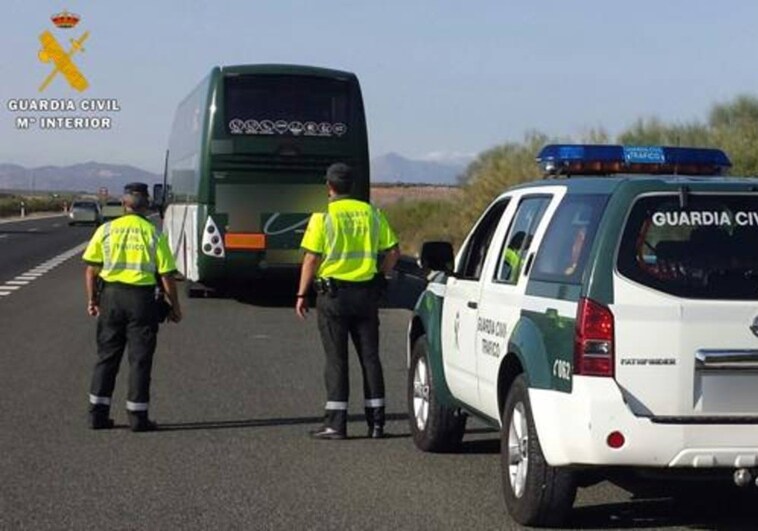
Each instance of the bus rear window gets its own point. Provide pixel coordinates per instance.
(287, 106)
(707, 249)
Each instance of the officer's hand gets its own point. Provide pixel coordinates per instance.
(175, 315)
(301, 307)
(93, 309)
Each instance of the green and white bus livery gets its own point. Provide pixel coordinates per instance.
(245, 167)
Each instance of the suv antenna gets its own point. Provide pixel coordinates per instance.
(683, 196)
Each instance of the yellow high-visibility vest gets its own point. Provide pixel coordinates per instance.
(348, 237)
(130, 250)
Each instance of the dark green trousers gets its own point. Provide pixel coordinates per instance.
(128, 320)
(351, 313)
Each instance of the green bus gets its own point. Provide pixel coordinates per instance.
(245, 166)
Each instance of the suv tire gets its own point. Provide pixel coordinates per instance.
(536, 494)
(434, 426)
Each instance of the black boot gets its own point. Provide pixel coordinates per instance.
(138, 421)
(375, 420)
(329, 434)
(99, 417)
(376, 432)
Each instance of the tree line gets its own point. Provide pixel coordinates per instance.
(731, 126)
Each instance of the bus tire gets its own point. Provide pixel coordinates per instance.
(535, 493)
(196, 291)
(434, 426)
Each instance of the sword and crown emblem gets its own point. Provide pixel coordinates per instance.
(53, 52)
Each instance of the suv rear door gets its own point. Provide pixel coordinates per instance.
(459, 310)
(504, 283)
(686, 306)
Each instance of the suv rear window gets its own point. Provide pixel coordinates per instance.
(707, 249)
(564, 250)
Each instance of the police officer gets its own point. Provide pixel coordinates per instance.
(341, 248)
(124, 257)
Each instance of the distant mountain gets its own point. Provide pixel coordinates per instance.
(91, 176)
(87, 177)
(394, 168)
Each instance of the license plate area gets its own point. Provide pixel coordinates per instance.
(726, 382)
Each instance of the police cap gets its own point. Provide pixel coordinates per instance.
(136, 188)
(340, 173)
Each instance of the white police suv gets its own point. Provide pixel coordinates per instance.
(604, 318)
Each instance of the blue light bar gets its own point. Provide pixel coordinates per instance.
(592, 159)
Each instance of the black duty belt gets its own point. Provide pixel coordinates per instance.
(331, 285)
(351, 284)
(121, 285)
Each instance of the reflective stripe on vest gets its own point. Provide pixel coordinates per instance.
(331, 240)
(110, 265)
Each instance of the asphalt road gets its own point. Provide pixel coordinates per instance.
(236, 387)
(27, 243)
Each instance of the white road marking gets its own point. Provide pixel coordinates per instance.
(35, 229)
(33, 274)
(3, 236)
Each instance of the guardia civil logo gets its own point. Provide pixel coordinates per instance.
(62, 60)
(60, 57)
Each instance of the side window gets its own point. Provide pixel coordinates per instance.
(565, 248)
(472, 260)
(519, 238)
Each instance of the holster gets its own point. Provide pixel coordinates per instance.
(162, 306)
(325, 286)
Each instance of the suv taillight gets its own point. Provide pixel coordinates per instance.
(593, 342)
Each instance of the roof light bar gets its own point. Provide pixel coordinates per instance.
(589, 159)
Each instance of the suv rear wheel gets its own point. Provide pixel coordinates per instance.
(536, 494)
(434, 426)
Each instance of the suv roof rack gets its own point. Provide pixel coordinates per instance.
(564, 160)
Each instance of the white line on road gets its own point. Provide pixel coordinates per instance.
(35, 229)
(3, 236)
(33, 274)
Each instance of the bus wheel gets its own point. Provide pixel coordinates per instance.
(199, 291)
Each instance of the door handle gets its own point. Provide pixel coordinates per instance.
(472, 304)
(528, 265)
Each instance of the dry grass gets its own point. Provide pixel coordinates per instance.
(383, 196)
(420, 213)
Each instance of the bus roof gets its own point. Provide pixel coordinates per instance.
(283, 69)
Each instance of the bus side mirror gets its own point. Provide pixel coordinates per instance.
(437, 256)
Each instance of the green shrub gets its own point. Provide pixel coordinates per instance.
(10, 205)
(423, 220)
(731, 126)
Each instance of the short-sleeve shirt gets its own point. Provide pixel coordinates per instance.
(348, 237)
(130, 250)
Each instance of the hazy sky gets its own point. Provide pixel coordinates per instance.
(439, 77)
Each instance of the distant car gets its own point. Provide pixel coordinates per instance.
(86, 212)
(112, 209)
